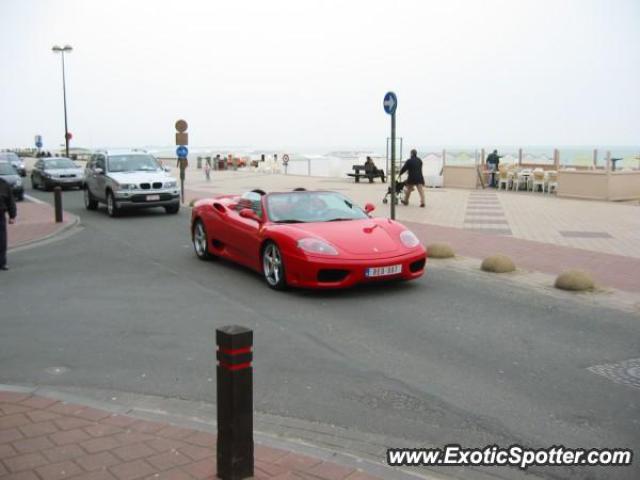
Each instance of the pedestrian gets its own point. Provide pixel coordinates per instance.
(493, 161)
(415, 179)
(207, 169)
(7, 206)
(372, 171)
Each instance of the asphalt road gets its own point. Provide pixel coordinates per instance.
(124, 305)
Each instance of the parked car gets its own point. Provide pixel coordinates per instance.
(9, 174)
(14, 160)
(131, 179)
(56, 171)
(310, 239)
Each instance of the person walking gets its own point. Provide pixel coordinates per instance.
(207, 169)
(493, 160)
(415, 179)
(7, 206)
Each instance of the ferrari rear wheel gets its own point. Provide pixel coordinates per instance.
(200, 241)
(273, 267)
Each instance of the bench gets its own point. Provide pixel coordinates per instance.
(370, 175)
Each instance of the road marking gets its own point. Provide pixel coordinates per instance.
(34, 199)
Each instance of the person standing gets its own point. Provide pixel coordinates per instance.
(7, 206)
(415, 179)
(493, 160)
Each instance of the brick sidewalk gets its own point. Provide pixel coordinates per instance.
(611, 270)
(35, 221)
(45, 439)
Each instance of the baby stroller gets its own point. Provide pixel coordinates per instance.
(397, 195)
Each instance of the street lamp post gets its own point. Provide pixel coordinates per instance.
(62, 50)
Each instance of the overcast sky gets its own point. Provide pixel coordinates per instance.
(270, 73)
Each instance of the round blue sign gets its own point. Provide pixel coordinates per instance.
(182, 151)
(39, 144)
(390, 103)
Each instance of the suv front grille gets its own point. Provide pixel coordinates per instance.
(141, 198)
(157, 184)
(145, 186)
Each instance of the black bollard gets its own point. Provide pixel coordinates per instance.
(57, 202)
(235, 402)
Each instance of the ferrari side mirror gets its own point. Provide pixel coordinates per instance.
(369, 207)
(250, 214)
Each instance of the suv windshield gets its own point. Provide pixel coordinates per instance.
(7, 169)
(54, 163)
(302, 207)
(9, 156)
(133, 163)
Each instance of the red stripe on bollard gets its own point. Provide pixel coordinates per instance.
(236, 351)
(240, 366)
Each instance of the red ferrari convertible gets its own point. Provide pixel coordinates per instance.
(311, 239)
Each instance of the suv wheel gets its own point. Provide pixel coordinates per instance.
(171, 209)
(112, 206)
(90, 203)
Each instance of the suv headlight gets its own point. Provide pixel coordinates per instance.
(172, 184)
(128, 186)
(314, 245)
(19, 182)
(409, 239)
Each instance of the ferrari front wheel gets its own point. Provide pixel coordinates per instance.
(200, 242)
(273, 267)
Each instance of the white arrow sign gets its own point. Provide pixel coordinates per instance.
(390, 103)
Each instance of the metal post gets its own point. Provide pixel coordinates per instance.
(393, 166)
(519, 156)
(64, 98)
(235, 402)
(309, 167)
(57, 202)
(595, 158)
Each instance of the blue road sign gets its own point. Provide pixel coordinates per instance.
(39, 144)
(182, 151)
(390, 103)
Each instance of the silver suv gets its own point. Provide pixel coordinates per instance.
(129, 179)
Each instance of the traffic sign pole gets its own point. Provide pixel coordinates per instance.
(390, 104)
(393, 165)
(182, 152)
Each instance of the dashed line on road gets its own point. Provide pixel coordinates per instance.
(34, 199)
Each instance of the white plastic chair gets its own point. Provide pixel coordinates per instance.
(538, 180)
(522, 178)
(503, 179)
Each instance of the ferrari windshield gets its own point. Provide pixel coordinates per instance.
(303, 207)
(133, 163)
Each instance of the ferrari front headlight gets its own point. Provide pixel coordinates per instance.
(316, 246)
(409, 239)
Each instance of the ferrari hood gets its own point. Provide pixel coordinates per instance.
(358, 237)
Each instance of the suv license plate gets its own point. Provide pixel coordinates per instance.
(383, 271)
(153, 198)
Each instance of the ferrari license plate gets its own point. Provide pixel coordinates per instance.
(383, 271)
(153, 198)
